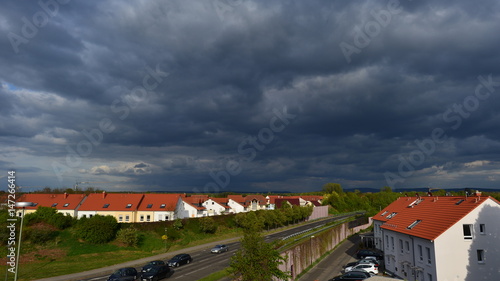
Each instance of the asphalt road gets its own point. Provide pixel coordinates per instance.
(204, 263)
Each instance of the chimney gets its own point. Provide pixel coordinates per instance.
(65, 195)
(103, 194)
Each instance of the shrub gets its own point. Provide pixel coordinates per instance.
(208, 225)
(40, 233)
(97, 229)
(128, 236)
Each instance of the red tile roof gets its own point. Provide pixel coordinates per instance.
(436, 214)
(58, 201)
(116, 201)
(156, 201)
(292, 201)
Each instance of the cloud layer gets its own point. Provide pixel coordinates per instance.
(250, 95)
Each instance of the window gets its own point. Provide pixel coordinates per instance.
(162, 206)
(142, 218)
(392, 243)
(91, 216)
(459, 202)
(120, 218)
(401, 245)
(420, 254)
(387, 242)
(407, 244)
(383, 214)
(467, 231)
(105, 206)
(429, 277)
(413, 224)
(66, 205)
(148, 218)
(55, 204)
(128, 206)
(480, 256)
(482, 229)
(428, 251)
(127, 218)
(84, 216)
(149, 206)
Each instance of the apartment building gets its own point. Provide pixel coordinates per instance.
(440, 238)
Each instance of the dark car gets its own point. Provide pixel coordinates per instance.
(124, 274)
(352, 275)
(361, 254)
(219, 249)
(179, 260)
(155, 272)
(152, 263)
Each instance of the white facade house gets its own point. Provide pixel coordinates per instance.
(186, 209)
(215, 207)
(236, 207)
(440, 238)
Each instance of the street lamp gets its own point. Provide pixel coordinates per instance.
(22, 205)
(310, 246)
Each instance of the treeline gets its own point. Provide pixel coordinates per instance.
(372, 203)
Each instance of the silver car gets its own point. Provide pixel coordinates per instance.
(219, 249)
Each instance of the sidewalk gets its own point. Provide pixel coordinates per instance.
(135, 263)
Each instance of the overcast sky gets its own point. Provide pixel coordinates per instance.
(244, 95)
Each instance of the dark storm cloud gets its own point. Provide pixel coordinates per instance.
(183, 85)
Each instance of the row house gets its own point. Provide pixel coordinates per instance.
(122, 206)
(158, 207)
(67, 204)
(275, 201)
(440, 238)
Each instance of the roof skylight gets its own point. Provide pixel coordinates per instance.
(413, 224)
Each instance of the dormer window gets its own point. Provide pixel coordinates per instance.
(55, 204)
(413, 224)
(66, 205)
(383, 214)
(128, 206)
(149, 206)
(392, 215)
(105, 206)
(162, 206)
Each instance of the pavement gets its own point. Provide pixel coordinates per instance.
(331, 265)
(135, 263)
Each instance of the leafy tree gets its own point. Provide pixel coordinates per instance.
(332, 187)
(208, 225)
(257, 260)
(97, 229)
(51, 216)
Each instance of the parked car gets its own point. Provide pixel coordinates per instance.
(363, 261)
(124, 274)
(180, 259)
(219, 249)
(352, 275)
(155, 272)
(152, 263)
(368, 267)
(361, 254)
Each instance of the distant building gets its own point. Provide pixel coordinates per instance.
(440, 238)
(157, 207)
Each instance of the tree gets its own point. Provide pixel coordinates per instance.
(331, 187)
(257, 260)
